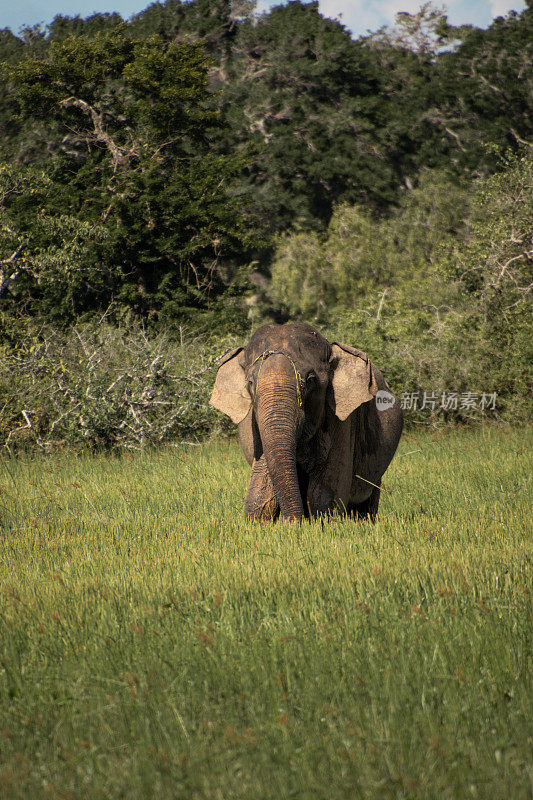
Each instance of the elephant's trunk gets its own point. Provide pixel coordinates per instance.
(277, 417)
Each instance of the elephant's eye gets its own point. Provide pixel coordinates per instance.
(311, 378)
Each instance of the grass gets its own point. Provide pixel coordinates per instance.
(154, 645)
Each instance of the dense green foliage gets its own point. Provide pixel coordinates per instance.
(48, 262)
(441, 291)
(152, 644)
(138, 154)
(202, 168)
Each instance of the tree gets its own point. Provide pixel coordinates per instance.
(486, 91)
(496, 267)
(363, 258)
(45, 259)
(309, 97)
(139, 154)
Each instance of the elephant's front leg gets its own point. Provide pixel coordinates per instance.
(368, 509)
(261, 502)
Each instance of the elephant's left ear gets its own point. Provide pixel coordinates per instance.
(229, 392)
(353, 381)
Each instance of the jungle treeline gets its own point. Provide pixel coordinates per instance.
(171, 181)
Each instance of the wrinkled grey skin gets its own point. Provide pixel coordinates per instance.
(308, 423)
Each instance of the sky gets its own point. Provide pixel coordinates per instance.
(358, 15)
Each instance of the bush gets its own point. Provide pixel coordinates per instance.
(362, 255)
(100, 386)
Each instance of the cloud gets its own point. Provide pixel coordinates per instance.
(364, 15)
(263, 5)
(359, 16)
(459, 12)
(499, 8)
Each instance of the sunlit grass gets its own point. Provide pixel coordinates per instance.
(153, 644)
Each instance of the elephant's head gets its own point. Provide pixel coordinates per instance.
(288, 376)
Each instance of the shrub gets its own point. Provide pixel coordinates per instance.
(100, 386)
(361, 255)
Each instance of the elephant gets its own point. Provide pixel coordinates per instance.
(317, 423)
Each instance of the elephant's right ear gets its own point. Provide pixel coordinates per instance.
(229, 392)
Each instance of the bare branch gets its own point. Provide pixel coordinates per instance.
(519, 140)
(121, 156)
(456, 137)
(7, 279)
(505, 267)
(12, 257)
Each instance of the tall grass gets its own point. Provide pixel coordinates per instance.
(153, 644)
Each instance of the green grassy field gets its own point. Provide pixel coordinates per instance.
(153, 645)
